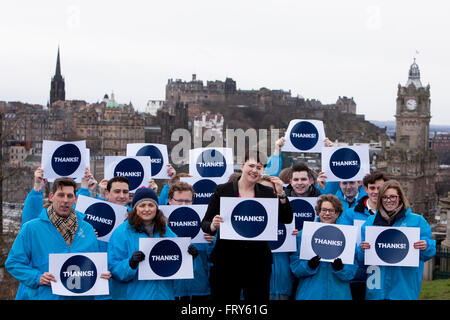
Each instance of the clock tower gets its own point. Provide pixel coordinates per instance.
(410, 160)
(413, 112)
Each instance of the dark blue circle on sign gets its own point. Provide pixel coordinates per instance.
(102, 217)
(203, 189)
(78, 274)
(211, 163)
(345, 163)
(328, 242)
(165, 258)
(303, 211)
(249, 218)
(156, 158)
(274, 245)
(304, 135)
(392, 246)
(185, 222)
(132, 170)
(66, 159)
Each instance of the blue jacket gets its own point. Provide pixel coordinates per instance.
(163, 198)
(358, 212)
(32, 206)
(393, 282)
(273, 167)
(322, 283)
(345, 204)
(331, 187)
(28, 258)
(281, 278)
(126, 286)
(199, 286)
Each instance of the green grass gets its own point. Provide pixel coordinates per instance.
(435, 290)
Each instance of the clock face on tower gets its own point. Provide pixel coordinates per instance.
(411, 104)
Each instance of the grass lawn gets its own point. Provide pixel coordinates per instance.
(435, 290)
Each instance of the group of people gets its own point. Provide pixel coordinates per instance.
(224, 270)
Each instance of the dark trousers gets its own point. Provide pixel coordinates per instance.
(229, 280)
(358, 289)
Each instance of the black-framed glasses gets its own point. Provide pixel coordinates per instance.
(391, 198)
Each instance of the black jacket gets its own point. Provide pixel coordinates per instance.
(312, 191)
(232, 251)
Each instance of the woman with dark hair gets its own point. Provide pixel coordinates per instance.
(145, 220)
(319, 280)
(394, 282)
(242, 264)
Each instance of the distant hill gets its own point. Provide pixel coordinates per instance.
(390, 127)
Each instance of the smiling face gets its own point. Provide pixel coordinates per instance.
(63, 200)
(146, 210)
(349, 188)
(300, 182)
(372, 191)
(390, 199)
(252, 171)
(119, 193)
(327, 213)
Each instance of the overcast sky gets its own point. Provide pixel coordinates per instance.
(318, 49)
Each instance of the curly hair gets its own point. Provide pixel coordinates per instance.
(337, 204)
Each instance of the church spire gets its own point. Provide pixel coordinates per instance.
(58, 65)
(57, 86)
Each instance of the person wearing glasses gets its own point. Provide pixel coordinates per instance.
(198, 288)
(364, 208)
(319, 280)
(396, 282)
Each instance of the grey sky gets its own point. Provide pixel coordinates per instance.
(318, 49)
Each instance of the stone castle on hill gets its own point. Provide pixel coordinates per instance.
(266, 108)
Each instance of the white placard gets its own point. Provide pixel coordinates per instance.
(158, 154)
(104, 216)
(392, 246)
(165, 258)
(186, 221)
(136, 169)
(203, 187)
(211, 162)
(64, 159)
(287, 242)
(88, 164)
(249, 218)
(328, 241)
(78, 274)
(358, 224)
(303, 209)
(350, 163)
(304, 136)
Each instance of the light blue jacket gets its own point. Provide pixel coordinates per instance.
(199, 286)
(29, 255)
(281, 278)
(393, 282)
(345, 203)
(126, 286)
(322, 283)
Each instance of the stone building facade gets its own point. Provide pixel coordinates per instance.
(411, 160)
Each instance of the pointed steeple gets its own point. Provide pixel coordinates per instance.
(57, 86)
(58, 65)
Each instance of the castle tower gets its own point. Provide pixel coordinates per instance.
(57, 91)
(411, 160)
